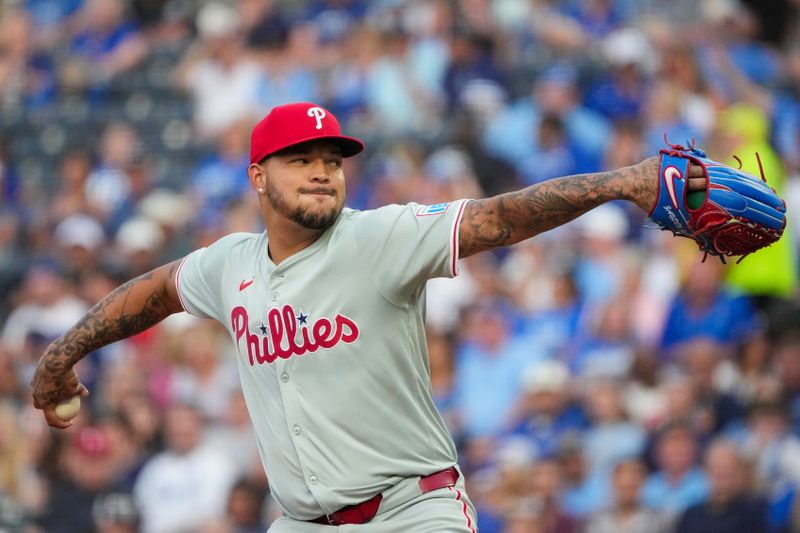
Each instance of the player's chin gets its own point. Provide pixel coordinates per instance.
(317, 218)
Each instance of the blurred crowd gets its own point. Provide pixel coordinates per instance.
(598, 378)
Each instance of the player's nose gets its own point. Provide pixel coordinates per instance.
(318, 171)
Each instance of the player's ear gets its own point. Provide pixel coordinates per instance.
(257, 177)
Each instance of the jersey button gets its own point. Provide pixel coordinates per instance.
(274, 296)
(296, 430)
(312, 479)
(284, 377)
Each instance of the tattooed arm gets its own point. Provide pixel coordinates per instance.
(130, 309)
(515, 216)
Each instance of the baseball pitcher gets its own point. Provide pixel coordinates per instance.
(325, 309)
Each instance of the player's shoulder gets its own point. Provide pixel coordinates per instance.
(237, 239)
(374, 225)
(231, 251)
(372, 219)
(234, 243)
(392, 211)
(411, 213)
(359, 214)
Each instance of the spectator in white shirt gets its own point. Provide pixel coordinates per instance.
(186, 485)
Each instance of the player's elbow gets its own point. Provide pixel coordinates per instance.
(167, 277)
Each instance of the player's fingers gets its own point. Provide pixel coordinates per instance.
(696, 184)
(696, 171)
(53, 420)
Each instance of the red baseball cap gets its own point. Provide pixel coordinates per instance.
(290, 124)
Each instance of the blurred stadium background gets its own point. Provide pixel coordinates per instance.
(596, 377)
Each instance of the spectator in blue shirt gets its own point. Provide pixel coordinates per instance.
(472, 58)
(663, 116)
(553, 328)
(334, 18)
(678, 483)
(705, 308)
(606, 346)
(619, 93)
(733, 48)
(48, 14)
(108, 44)
(554, 155)
(489, 367)
(221, 178)
(512, 132)
(287, 69)
(585, 492)
(597, 18)
(611, 437)
(545, 415)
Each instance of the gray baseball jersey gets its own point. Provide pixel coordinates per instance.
(331, 350)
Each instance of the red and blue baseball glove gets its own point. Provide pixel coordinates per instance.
(736, 215)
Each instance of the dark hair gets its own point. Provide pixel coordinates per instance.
(675, 427)
(768, 407)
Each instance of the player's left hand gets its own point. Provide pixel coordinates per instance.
(51, 386)
(732, 213)
(649, 173)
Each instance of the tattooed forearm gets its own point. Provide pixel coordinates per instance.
(510, 218)
(126, 311)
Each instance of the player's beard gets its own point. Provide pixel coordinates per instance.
(298, 214)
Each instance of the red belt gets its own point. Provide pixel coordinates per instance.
(363, 512)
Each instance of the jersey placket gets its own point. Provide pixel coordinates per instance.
(296, 426)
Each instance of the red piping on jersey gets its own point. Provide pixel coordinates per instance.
(455, 236)
(178, 285)
(463, 509)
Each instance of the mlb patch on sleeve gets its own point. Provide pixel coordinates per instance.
(435, 209)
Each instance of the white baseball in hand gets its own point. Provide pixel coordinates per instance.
(68, 409)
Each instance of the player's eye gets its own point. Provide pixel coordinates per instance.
(298, 161)
(335, 162)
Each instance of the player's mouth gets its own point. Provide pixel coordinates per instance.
(319, 191)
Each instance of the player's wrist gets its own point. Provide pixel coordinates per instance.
(49, 378)
(643, 187)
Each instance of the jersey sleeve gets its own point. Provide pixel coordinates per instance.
(198, 279)
(406, 245)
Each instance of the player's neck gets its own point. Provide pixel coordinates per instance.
(289, 238)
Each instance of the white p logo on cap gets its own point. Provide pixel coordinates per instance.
(318, 113)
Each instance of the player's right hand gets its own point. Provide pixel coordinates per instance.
(52, 385)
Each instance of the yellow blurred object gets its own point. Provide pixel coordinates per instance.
(771, 271)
